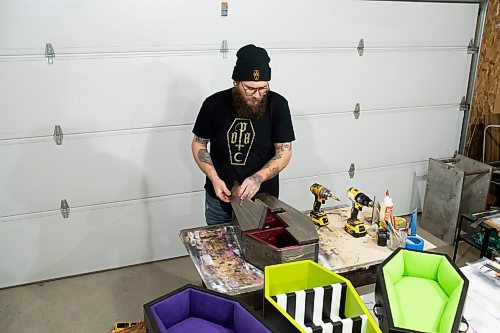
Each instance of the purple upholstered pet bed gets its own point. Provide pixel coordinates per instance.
(195, 310)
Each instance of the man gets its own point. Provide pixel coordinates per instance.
(250, 132)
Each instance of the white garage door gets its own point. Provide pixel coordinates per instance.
(127, 81)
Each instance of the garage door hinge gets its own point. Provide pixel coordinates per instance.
(472, 48)
(351, 170)
(357, 111)
(49, 53)
(224, 49)
(64, 209)
(464, 106)
(361, 47)
(58, 135)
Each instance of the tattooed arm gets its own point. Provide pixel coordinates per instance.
(204, 162)
(275, 165)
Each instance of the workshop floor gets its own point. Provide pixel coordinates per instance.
(93, 302)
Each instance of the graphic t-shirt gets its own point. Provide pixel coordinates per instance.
(240, 147)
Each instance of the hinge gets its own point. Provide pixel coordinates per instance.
(357, 111)
(64, 209)
(224, 8)
(58, 135)
(464, 106)
(361, 47)
(352, 169)
(224, 49)
(472, 48)
(49, 53)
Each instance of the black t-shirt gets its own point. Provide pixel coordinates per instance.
(240, 147)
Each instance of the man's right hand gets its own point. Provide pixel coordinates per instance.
(221, 190)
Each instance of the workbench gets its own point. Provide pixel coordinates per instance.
(217, 257)
(486, 225)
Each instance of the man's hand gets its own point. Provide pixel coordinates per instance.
(204, 161)
(221, 190)
(250, 187)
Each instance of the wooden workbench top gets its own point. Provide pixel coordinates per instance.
(342, 252)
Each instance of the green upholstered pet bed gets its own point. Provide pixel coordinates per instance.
(419, 292)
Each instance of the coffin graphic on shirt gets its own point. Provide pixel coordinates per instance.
(239, 140)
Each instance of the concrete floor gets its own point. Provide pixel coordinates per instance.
(93, 302)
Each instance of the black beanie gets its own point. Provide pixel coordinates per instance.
(252, 64)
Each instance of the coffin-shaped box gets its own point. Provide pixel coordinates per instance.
(192, 309)
(419, 292)
(272, 232)
(305, 297)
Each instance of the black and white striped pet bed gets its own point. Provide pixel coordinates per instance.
(321, 309)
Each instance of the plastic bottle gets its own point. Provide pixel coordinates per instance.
(386, 208)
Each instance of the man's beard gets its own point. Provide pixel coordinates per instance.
(246, 111)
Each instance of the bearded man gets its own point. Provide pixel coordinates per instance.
(250, 131)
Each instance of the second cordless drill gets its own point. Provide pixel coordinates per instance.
(354, 226)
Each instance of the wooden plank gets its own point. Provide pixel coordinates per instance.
(273, 203)
(249, 215)
(494, 223)
(300, 226)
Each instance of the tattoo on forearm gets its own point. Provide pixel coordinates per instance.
(256, 179)
(268, 164)
(273, 172)
(283, 146)
(201, 140)
(204, 156)
(276, 157)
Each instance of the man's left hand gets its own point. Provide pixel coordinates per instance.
(250, 187)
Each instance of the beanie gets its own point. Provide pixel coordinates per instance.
(252, 64)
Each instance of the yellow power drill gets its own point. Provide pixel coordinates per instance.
(321, 193)
(354, 226)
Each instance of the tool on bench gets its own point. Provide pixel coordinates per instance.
(355, 226)
(321, 194)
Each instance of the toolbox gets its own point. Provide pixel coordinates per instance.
(272, 232)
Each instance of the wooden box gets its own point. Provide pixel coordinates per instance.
(272, 232)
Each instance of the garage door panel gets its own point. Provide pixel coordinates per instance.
(97, 238)
(105, 94)
(331, 143)
(183, 24)
(92, 95)
(114, 25)
(405, 182)
(335, 82)
(93, 169)
(343, 23)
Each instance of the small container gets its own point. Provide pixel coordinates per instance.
(398, 240)
(386, 208)
(414, 243)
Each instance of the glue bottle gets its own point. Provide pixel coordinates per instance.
(386, 208)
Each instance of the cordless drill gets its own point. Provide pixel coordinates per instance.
(354, 226)
(321, 194)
